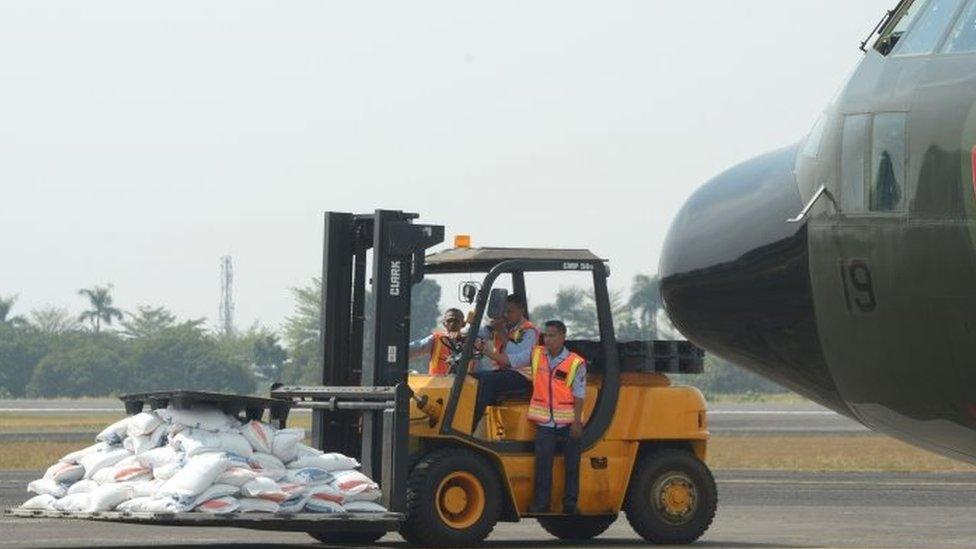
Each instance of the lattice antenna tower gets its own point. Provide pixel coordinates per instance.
(226, 313)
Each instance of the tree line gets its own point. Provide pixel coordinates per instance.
(104, 350)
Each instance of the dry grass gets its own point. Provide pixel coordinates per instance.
(34, 454)
(825, 453)
(25, 422)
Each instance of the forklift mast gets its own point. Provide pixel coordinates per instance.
(398, 250)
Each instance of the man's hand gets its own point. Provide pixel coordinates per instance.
(498, 325)
(576, 429)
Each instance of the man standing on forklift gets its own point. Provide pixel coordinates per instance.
(513, 337)
(559, 387)
(440, 344)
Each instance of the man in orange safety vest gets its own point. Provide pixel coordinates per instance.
(440, 343)
(558, 390)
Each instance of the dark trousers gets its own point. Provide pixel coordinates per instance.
(493, 383)
(545, 450)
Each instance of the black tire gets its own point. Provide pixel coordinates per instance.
(577, 527)
(359, 538)
(427, 522)
(663, 472)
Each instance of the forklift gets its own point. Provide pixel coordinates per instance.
(644, 442)
(444, 485)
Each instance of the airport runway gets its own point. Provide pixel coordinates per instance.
(724, 419)
(757, 509)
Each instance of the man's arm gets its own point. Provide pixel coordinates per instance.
(421, 346)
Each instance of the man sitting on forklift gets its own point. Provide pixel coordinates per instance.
(559, 387)
(440, 344)
(513, 337)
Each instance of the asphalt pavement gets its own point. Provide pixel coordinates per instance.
(757, 509)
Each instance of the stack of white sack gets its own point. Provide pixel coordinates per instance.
(205, 461)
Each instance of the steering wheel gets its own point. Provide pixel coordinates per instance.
(456, 346)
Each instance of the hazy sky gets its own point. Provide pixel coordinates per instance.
(140, 142)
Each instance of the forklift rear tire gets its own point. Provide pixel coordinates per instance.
(359, 538)
(672, 497)
(453, 499)
(577, 527)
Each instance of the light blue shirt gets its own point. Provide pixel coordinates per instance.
(579, 382)
(519, 352)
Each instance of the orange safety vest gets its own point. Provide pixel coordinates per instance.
(501, 339)
(552, 390)
(439, 353)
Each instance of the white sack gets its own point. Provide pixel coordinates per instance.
(142, 423)
(75, 457)
(219, 506)
(259, 435)
(114, 433)
(285, 442)
(65, 473)
(257, 505)
(214, 492)
(47, 486)
(82, 486)
(168, 470)
(157, 457)
(122, 474)
(264, 488)
(155, 504)
(44, 502)
(75, 503)
(328, 462)
(107, 497)
(237, 476)
(308, 476)
(356, 486)
(267, 465)
(196, 476)
(363, 507)
(323, 506)
(305, 450)
(209, 419)
(143, 488)
(97, 460)
(198, 441)
(325, 492)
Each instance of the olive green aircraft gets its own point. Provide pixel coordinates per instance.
(844, 266)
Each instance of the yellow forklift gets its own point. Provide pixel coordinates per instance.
(644, 441)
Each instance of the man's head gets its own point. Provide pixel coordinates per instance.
(453, 320)
(555, 336)
(514, 308)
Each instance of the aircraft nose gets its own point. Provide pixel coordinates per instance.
(735, 278)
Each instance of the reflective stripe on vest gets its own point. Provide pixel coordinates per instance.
(439, 353)
(552, 398)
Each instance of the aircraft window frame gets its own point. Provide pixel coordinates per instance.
(938, 38)
(966, 16)
(854, 158)
(893, 30)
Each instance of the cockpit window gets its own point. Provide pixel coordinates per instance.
(962, 39)
(933, 20)
(904, 16)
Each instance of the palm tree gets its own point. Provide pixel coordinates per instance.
(100, 299)
(6, 304)
(645, 299)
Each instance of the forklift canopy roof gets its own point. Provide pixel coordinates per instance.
(466, 260)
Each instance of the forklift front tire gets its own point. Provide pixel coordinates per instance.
(453, 499)
(672, 497)
(577, 527)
